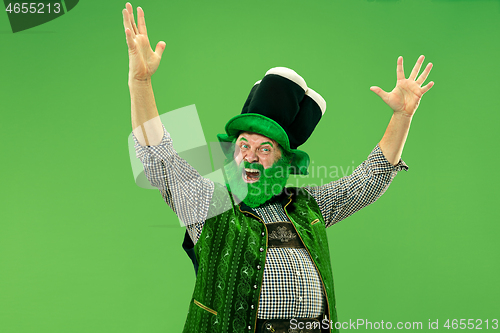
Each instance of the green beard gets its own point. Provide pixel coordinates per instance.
(271, 182)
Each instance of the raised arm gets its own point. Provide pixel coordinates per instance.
(181, 186)
(143, 63)
(342, 198)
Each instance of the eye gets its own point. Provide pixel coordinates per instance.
(244, 146)
(265, 150)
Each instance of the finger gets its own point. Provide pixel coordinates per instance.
(381, 93)
(126, 22)
(416, 68)
(130, 39)
(427, 87)
(141, 23)
(160, 47)
(400, 71)
(131, 16)
(424, 74)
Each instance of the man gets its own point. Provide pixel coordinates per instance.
(262, 249)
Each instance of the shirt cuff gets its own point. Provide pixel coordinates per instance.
(378, 163)
(166, 141)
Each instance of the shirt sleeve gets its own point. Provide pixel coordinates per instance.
(342, 198)
(186, 192)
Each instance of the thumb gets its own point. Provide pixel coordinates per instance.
(160, 47)
(382, 94)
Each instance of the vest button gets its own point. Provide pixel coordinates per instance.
(254, 286)
(252, 307)
(263, 233)
(261, 249)
(249, 327)
(259, 266)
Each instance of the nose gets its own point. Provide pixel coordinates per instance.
(250, 156)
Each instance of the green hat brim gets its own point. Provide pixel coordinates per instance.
(257, 123)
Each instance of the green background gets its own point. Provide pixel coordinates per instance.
(83, 249)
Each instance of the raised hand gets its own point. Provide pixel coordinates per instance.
(405, 97)
(143, 62)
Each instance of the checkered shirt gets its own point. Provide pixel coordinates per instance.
(291, 286)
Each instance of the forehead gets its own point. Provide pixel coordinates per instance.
(254, 138)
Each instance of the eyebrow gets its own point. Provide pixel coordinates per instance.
(267, 143)
(263, 143)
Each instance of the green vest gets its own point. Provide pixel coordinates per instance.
(231, 254)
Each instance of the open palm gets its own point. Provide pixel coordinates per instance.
(405, 97)
(143, 62)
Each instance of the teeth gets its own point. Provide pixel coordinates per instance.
(251, 170)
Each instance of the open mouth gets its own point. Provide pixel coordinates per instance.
(251, 175)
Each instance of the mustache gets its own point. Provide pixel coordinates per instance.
(253, 165)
